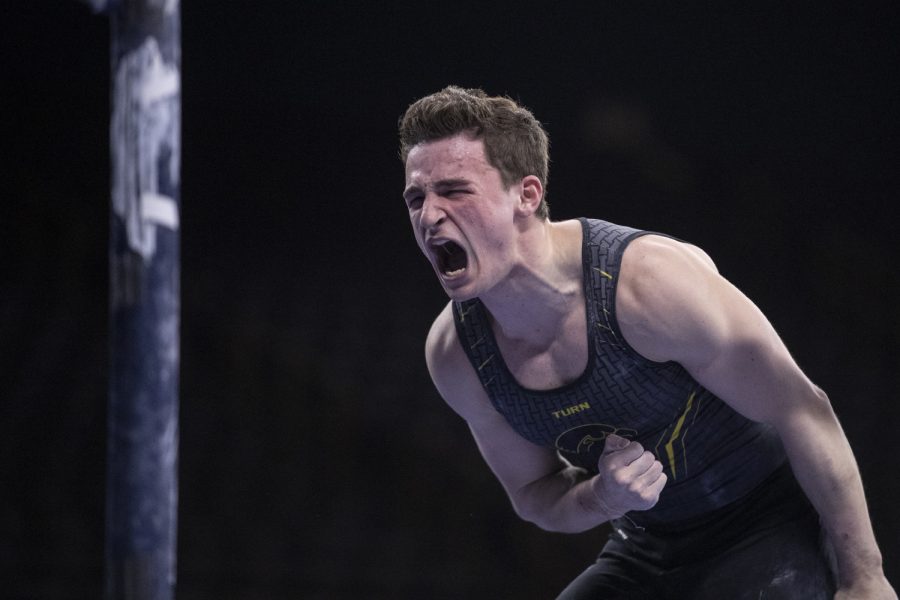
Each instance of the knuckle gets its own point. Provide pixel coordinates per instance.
(650, 496)
(620, 478)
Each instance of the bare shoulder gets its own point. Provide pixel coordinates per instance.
(656, 252)
(672, 304)
(442, 347)
(663, 290)
(451, 371)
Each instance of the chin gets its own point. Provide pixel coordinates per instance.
(460, 294)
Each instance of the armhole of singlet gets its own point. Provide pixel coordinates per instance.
(461, 333)
(614, 318)
(471, 354)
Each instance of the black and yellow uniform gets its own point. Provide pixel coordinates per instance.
(713, 456)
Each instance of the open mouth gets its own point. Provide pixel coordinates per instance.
(451, 258)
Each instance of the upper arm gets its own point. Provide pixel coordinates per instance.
(515, 461)
(674, 305)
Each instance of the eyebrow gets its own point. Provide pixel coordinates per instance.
(441, 184)
(447, 183)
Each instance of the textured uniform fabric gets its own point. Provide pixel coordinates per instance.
(711, 454)
(731, 521)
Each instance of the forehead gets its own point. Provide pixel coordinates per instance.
(456, 157)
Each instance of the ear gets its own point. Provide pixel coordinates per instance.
(531, 194)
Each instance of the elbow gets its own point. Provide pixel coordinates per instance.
(555, 502)
(527, 509)
(820, 403)
(541, 521)
(810, 414)
(547, 518)
(822, 396)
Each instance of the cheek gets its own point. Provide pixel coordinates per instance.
(414, 221)
(416, 233)
(419, 241)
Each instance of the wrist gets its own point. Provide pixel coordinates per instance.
(592, 502)
(871, 588)
(860, 569)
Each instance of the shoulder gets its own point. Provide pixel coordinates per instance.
(663, 295)
(676, 307)
(451, 371)
(442, 348)
(651, 252)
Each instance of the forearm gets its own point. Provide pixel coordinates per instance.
(563, 501)
(824, 465)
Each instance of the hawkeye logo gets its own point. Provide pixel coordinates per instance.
(571, 410)
(583, 444)
(590, 439)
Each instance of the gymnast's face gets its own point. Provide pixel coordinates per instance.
(461, 213)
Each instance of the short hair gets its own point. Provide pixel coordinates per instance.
(515, 143)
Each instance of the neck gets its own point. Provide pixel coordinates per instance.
(543, 287)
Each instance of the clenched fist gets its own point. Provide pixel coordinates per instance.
(630, 478)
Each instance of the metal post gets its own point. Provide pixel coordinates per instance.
(142, 452)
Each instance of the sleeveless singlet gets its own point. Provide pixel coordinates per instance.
(711, 454)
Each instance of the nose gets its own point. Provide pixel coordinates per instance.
(432, 211)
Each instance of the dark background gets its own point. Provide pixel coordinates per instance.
(316, 459)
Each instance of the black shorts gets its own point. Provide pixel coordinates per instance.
(766, 545)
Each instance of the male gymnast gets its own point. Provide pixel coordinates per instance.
(613, 375)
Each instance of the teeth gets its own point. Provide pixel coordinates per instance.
(454, 273)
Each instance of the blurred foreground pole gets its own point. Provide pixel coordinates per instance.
(142, 451)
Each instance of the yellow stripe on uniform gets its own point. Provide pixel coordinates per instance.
(670, 447)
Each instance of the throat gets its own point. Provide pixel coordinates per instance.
(546, 359)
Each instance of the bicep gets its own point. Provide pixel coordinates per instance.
(746, 363)
(515, 461)
(678, 307)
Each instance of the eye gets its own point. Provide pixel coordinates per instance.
(414, 202)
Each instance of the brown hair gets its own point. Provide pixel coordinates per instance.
(515, 143)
